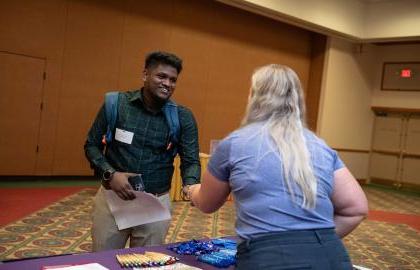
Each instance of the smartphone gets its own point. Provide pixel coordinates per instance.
(136, 182)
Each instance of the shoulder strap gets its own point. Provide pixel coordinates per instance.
(170, 110)
(111, 110)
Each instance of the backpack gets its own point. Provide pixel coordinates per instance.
(170, 110)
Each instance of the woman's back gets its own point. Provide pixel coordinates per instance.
(294, 199)
(251, 161)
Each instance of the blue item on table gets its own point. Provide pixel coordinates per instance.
(218, 259)
(219, 252)
(194, 247)
(224, 243)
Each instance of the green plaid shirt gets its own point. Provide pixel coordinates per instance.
(148, 153)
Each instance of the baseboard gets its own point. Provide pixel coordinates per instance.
(362, 181)
(396, 185)
(9, 178)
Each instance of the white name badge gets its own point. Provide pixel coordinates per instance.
(124, 136)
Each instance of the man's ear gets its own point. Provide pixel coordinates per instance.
(144, 75)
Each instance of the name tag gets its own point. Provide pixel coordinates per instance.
(124, 136)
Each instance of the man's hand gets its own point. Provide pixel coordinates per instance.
(185, 192)
(120, 185)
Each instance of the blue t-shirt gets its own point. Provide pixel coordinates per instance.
(249, 160)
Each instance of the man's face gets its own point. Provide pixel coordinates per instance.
(160, 81)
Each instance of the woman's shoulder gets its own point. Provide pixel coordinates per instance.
(239, 136)
(317, 143)
(245, 132)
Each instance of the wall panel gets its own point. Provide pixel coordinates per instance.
(21, 84)
(91, 61)
(37, 29)
(93, 46)
(357, 163)
(412, 142)
(387, 133)
(410, 173)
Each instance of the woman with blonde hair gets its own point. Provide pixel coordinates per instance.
(294, 197)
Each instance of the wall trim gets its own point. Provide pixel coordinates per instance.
(411, 155)
(379, 109)
(362, 181)
(386, 152)
(352, 150)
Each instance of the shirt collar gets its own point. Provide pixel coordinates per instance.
(137, 95)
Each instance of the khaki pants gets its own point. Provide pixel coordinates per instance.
(105, 233)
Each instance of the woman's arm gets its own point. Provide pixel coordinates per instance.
(211, 194)
(349, 200)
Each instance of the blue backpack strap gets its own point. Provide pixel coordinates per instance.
(111, 111)
(170, 110)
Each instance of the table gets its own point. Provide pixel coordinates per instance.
(105, 258)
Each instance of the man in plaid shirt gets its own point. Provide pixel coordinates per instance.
(141, 145)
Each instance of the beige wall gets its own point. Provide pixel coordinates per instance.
(345, 116)
(358, 163)
(351, 86)
(398, 99)
(397, 19)
(346, 119)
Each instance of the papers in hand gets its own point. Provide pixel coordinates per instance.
(145, 208)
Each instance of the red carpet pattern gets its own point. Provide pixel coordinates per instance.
(64, 227)
(60, 228)
(12, 200)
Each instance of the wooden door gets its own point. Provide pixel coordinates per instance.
(21, 84)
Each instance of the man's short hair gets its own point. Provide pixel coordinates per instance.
(153, 59)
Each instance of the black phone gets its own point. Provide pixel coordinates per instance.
(136, 182)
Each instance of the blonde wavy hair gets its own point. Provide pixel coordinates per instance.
(277, 98)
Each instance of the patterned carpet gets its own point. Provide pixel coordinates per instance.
(63, 227)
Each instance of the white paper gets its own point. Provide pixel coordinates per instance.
(358, 267)
(89, 266)
(176, 266)
(145, 208)
(123, 136)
